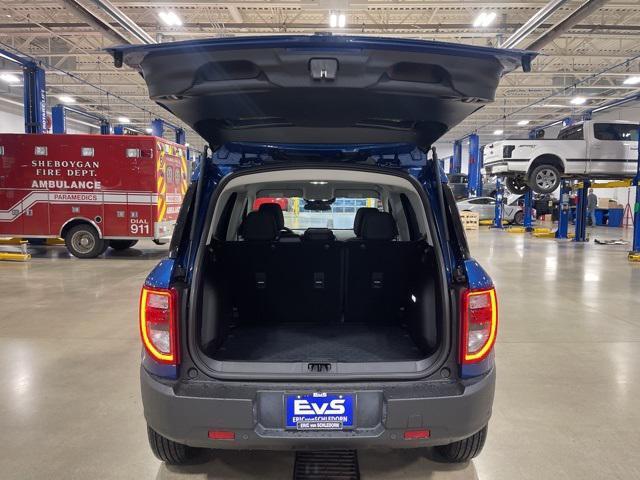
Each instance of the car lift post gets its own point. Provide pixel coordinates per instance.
(35, 93)
(634, 254)
(456, 160)
(563, 211)
(475, 166)
(497, 219)
(581, 213)
(528, 210)
(59, 119)
(157, 130)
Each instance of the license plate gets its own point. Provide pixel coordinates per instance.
(320, 411)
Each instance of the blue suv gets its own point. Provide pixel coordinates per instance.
(304, 324)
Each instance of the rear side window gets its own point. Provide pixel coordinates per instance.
(456, 231)
(410, 214)
(572, 133)
(183, 223)
(225, 217)
(615, 131)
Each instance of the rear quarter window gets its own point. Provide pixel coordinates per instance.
(615, 131)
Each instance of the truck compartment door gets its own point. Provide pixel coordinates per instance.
(35, 214)
(10, 216)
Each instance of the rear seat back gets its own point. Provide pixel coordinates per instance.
(319, 280)
(379, 271)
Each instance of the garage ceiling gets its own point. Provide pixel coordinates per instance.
(55, 32)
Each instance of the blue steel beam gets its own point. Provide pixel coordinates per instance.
(636, 208)
(35, 99)
(581, 213)
(528, 220)
(59, 118)
(456, 160)
(35, 93)
(563, 211)
(157, 129)
(497, 219)
(475, 166)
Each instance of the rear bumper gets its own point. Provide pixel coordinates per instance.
(496, 167)
(255, 413)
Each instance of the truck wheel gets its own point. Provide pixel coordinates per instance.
(518, 218)
(516, 185)
(463, 450)
(544, 179)
(83, 241)
(170, 452)
(122, 244)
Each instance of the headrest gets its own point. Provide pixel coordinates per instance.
(259, 226)
(379, 226)
(318, 235)
(275, 211)
(357, 220)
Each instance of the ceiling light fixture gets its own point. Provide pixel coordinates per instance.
(148, 130)
(498, 132)
(66, 99)
(523, 122)
(484, 19)
(124, 120)
(337, 20)
(170, 18)
(632, 80)
(578, 101)
(10, 78)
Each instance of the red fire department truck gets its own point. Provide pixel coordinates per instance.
(95, 191)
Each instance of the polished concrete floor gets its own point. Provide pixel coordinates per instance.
(568, 359)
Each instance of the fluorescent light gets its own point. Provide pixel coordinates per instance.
(632, 80)
(523, 122)
(498, 132)
(124, 120)
(170, 18)
(342, 20)
(66, 99)
(333, 20)
(484, 19)
(148, 130)
(578, 101)
(10, 78)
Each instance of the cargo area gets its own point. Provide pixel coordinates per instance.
(320, 300)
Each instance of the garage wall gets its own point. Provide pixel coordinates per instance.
(12, 121)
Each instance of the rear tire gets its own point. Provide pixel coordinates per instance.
(83, 241)
(518, 218)
(170, 452)
(544, 179)
(516, 185)
(463, 450)
(122, 244)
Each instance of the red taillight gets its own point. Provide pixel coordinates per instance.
(221, 435)
(158, 327)
(479, 324)
(416, 434)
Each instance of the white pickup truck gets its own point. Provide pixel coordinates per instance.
(589, 149)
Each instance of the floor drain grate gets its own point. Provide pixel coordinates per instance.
(326, 465)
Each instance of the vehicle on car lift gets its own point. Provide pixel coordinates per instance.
(257, 337)
(94, 191)
(512, 211)
(459, 184)
(594, 149)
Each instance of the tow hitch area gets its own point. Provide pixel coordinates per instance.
(326, 464)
